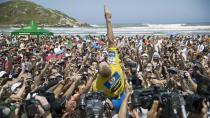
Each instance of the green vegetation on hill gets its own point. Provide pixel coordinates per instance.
(18, 12)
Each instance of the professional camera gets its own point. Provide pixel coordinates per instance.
(172, 103)
(93, 104)
(144, 97)
(56, 104)
(136, 83)
(194, 102)
(180, 73)
(4, 112)
(30, 107)
(133, 67)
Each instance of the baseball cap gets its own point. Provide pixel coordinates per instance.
(2, 73)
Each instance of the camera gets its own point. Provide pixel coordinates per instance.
(30, 107)
(144, 97)
(194, 103)
(133, 67)
(136, 83)
(92, 104)
(180, 73)
(172, 102)
(4, 112)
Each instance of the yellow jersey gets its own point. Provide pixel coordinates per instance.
(114, 86)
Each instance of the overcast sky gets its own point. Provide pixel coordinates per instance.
(134, 11)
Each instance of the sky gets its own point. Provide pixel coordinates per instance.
(133, 11)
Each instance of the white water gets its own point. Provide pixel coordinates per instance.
(148, 29)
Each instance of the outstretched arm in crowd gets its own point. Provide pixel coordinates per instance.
(19, 94)
(89, 83)
(18, 78)
(193, 85)
(85, 89)
(107, 14)
(154, 112)
(58, 88)
(72, 100)
(69, 92)
(43, 102)
(187, 83)
(39, 77)
(124, 105)
(138, 58)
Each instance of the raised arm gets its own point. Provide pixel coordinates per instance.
(69, 92)
(89, 84)
(39, 77)
(124, 106)
(107, 14)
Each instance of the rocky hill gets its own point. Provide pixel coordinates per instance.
(19, 12)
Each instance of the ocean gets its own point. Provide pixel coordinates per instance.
(130, 29)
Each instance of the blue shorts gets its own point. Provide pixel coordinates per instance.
(116, 102)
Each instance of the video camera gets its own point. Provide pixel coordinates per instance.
(172, 102)
(4, 112)
(144, 97)
(174, 70)
(93, 104)
(194, 102)
(136, 83)
(56, 104)
(30, 105)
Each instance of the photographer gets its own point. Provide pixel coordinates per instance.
(152, 76)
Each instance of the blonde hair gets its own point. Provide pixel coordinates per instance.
(104, 70)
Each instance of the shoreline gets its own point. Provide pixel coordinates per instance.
(155, 30)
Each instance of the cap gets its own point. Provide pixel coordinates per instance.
(144, 55)
(2, 73)
(156, 54)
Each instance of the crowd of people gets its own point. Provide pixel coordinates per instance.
(48, 77)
